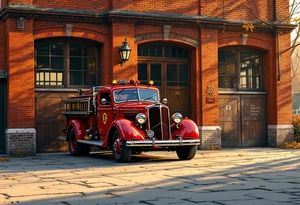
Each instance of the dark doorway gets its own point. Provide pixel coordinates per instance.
(3, 113)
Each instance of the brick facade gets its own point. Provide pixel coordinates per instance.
(201, 26)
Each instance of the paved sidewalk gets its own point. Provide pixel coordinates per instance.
(231, 177)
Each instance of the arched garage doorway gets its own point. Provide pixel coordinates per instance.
(169, 67)
(242, 100)
(61, 66)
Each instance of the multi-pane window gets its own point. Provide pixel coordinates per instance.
(240, 69)
(65, 63)
(164, 64)
(163, 50)
(49, 64)
(150, 71)
(177, 74)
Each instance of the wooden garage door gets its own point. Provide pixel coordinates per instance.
(49, 121)
(243, 120)
(253, 120)
(229, 119)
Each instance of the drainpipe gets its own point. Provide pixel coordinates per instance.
(278, 42)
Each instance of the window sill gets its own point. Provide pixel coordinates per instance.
(242, 92)
(55, 90)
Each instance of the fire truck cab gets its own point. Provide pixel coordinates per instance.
(128, 118)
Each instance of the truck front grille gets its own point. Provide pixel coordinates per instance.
(159, 121)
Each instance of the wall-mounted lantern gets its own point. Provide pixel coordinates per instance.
(20, 24)
(124, 52)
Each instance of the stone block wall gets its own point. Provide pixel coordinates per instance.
(210, 136)
(280, 134)
(20, 141)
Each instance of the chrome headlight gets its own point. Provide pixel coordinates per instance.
(141, 118)
(177, 117)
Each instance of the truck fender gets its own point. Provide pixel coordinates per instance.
(128, 130)
(188, 129)
(80, 127)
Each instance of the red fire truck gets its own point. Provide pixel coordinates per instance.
(129, 119)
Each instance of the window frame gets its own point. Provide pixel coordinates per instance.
(238, 69)
(66, 61)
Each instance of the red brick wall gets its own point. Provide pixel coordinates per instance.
(244, 10)
(283, 10)
(247, 10)
(20, 1)
(168, 6)
(209, 75)
(48, 29)
(20, 62)
(284, 89)
(128, 70)
(196, 93)
(93, 5)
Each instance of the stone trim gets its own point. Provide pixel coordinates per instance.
(225, 92)
(210, 128)
(210, 136)
(166, 30)
(280, 126)
(20, 141)
(20, 131)
(172, 36)
(280, 134)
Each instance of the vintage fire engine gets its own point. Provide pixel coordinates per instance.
(128, 118)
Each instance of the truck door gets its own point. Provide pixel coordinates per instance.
(105, 114)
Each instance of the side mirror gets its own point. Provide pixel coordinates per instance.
(165, 101)
(104, 101)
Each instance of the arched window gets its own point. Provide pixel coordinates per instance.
(240, 69)
(66, 63)
(164, 63)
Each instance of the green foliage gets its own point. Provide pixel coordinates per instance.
(296, 124)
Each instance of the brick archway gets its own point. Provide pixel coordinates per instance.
(76, 32)
(158, 36)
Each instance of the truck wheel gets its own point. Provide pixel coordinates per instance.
(86, 149)
(121, 152)
(74, 147)
(186, 152)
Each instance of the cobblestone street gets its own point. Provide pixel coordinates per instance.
(234, 176)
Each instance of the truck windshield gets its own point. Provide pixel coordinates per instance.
(125, 95)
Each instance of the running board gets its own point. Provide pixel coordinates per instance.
(62, 138)
(91, 142)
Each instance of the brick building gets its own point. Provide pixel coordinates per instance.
(222, 63)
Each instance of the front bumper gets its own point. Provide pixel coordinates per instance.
(162, 143)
